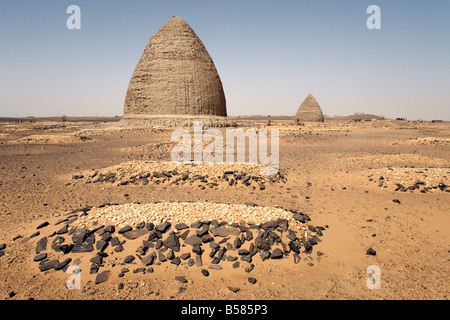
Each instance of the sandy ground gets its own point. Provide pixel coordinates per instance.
(332, 174)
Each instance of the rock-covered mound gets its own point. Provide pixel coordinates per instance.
(200, 240)
(175, 82)
(202, 175)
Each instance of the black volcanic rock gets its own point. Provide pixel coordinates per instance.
(170, 255)
(185, 256)
(205, 272)
(243, 252)
(90, 238)
(93, 269)
(197, 249)
(193, 240)
(265, 255)
(237, 243)
(276, 254)
(196, 225)
(115, 241)
(163, 227)
(291, 235)
(125, 229)
(308, 246)
(172, 242)
(224, 231)
(140, 225)
(303, 218)
(181, 279)
(40, 257)
(48, 265)
(248, 235)
(42, 225)
(233, 289)
(79, 236)
(79, 248)
(110, 229)
(149, 260)
(206, 238)
(41, 245)
(62, 264)
(162, 257)
(57, 241)
(101, 245)
(269, 225)
(252, 250)
(134, 234)
(62, 230)
(154, 235)
(184, 235)
(97, 260)
(64, 248)
(102, 277)
(294, 246)
(221, 252)
(181, 226)
(176, 261)
(262, 244)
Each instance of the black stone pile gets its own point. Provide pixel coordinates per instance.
(203, 244)
(173, 177)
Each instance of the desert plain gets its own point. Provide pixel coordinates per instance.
(376, 192)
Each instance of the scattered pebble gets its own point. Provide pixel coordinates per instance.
(233, 289)
(205, 272)
(251, 280)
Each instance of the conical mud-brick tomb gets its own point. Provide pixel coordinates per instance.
(309, 111)
(175, 82)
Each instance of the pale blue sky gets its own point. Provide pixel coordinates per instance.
(269, 55)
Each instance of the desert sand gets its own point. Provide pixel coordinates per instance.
(376, 193)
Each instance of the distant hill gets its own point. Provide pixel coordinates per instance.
(62, 119)
(357, 116)
(261, 117)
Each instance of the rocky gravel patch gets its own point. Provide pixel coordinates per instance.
(411, 179)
